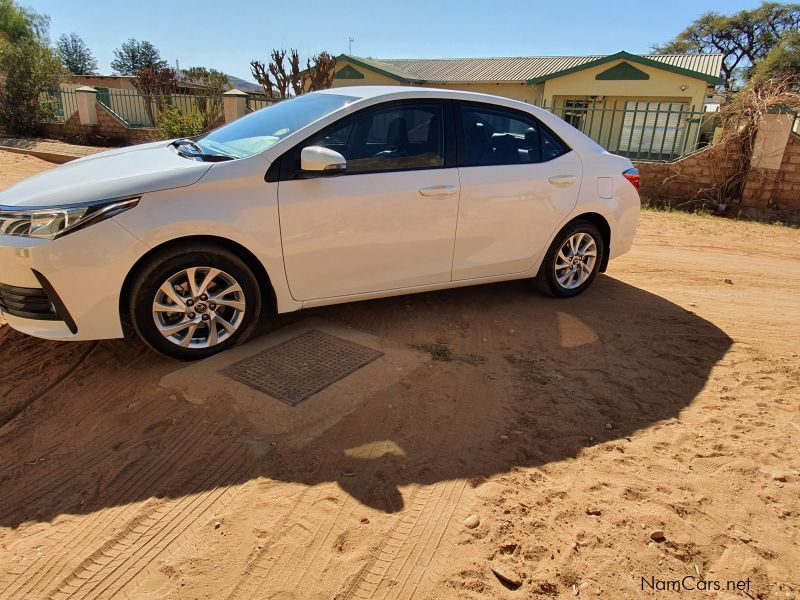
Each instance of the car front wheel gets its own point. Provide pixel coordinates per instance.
(194, 301)
(572, 261)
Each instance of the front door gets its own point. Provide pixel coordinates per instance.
(388, 222)
(518, 182)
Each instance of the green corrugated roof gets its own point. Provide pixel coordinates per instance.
(522, 68)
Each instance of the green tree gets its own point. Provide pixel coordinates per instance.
(783, 61)
(28, 67)
(19, 24)
(76, 55)
(210, 79)
(212, 84)
(133, 56)
(744, 38)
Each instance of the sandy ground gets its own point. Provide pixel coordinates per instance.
(551, 443)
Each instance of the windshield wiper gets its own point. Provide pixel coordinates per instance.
(201, 154)
(215, 157)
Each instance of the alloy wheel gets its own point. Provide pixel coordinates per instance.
(199, 307)
(575, 261)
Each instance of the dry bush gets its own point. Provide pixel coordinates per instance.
(741, 118)
(729, 158)
(279, 81)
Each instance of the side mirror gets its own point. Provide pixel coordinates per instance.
(323, 161)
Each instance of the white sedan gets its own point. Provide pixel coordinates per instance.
(334, 196)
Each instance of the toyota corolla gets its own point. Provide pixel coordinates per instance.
(334, 196)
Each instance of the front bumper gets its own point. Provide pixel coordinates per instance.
(80, 275)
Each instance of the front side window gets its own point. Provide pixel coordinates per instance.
(260, 130)
(388, 139)
(495, 136)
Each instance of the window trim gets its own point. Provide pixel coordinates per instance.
(461, 105)
(280, 170)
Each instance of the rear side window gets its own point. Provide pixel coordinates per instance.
(496, 136)
(552, 147)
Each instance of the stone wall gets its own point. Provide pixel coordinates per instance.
(143, 135)
(772, 194)
(692, 178)
(780, 189)
(109, 126)
(71, 127)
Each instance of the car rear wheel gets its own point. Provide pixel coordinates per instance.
(194, 301)
(572, 261)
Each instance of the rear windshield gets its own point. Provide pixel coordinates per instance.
(264, 128)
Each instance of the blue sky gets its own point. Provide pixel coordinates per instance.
(200, 33)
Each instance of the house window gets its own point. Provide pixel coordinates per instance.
(653, 129)
(575, 112)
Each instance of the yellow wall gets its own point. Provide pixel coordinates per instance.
(662, 84)
(121, 83)
(370, 77)
(517, 91)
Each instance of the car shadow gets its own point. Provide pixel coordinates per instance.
(521, 380)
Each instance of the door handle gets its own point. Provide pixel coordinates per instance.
(439, 190)
(562, 180)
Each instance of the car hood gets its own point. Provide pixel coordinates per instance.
(114, 174)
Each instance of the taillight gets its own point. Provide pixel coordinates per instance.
(632, 175)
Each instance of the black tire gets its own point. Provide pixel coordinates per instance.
(547, 280)
(146, 285)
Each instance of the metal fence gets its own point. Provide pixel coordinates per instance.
(59, 105)
(638, 129)
(140, 110)
(255, 102)
(642, 130)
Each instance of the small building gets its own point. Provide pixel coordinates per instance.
(644, 106)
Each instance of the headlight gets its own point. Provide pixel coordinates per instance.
(52, 222)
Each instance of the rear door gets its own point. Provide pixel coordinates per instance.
(518, 182)
(389, 221)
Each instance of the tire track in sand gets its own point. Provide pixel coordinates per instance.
(411, 558)
(80, 534)
(108, 570)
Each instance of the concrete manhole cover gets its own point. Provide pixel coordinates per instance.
(301, 366)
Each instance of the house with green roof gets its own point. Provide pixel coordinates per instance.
(547, 79)
(618, 99)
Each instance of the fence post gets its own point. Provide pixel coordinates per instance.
(765, 163)
(771, 139)
(86, 98)
(234, 104)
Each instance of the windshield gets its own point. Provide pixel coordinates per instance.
(264, 128)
